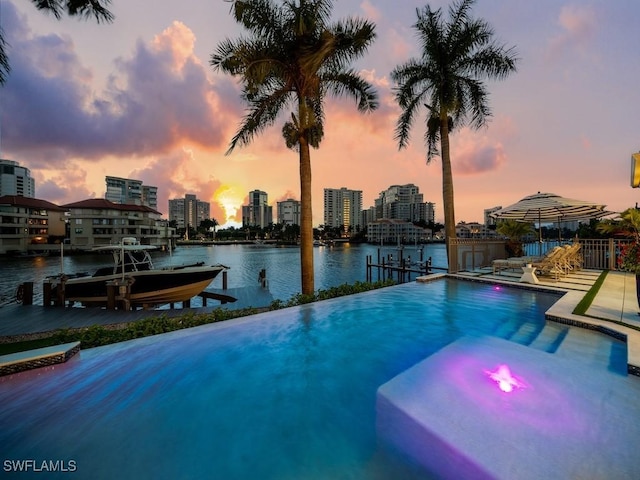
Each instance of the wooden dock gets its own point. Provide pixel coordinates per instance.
(17, 319)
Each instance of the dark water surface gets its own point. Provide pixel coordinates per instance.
(333, 266)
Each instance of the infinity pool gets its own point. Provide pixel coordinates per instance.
(289, 394)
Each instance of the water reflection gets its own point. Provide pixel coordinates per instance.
(333, 265)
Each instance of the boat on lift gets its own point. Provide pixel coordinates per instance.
(150, 286)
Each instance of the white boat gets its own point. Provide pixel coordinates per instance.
(149, 286)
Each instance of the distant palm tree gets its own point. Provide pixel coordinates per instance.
(627, 225)
(447, 80)
(80, 8)
(515, 231)
(294, 57)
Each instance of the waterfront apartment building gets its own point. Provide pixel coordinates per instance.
(404, 202)
(474, 230)
(130, 192)
(16, 180)
(257, 213)
(395, 231)
(29, 224)
(98, 221)
(188, 212)
(288, 212)
(343, 208)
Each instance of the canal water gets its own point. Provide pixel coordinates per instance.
(333, 265)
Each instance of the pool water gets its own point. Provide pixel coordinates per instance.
(288, 394)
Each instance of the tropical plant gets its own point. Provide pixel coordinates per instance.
(628, 225)
(515, 232)
(447, 79)
(79, 8)
(293, 57)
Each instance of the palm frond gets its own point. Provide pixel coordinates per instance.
(5, 68)
(90, 8)
(349, 83)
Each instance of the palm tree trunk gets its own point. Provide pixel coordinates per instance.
(447, 192)
(306, 227)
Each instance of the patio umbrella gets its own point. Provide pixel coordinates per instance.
(550, 207)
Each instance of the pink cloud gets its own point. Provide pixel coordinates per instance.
(473, 153)
(64, 187)
(175, 176)
(578, 25)
(160, 98)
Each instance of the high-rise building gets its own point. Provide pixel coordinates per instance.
(343, 208)
(289, 212)
(257, 213)
(127, 191)
(404, 202)
(16, 180)
(188, 211)
(488, 219)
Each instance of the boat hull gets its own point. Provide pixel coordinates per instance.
(151, 287)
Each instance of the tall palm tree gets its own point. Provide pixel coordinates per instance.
(80, 8)
(447, 79)
(293, 57)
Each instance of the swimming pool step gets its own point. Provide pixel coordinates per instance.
(527, 333)
(506, 330)
(593, 349)
(549, 338)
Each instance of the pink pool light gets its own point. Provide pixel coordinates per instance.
(505, 380)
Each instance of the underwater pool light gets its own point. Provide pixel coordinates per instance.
(505, 380)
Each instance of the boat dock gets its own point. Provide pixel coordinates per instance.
(30, 320)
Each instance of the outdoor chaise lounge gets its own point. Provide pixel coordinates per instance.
(557, 262)
(560, 261)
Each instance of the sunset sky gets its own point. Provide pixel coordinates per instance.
(138, 99)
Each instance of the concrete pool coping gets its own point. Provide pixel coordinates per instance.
(39, 357)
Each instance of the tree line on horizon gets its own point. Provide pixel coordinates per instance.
(294, 55)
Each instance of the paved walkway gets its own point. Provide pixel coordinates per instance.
(614, 311)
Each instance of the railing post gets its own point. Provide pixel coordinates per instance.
(612, 255)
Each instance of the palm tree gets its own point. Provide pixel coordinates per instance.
(80, 8)
(447, 79)
(515, 231)
(294, 57)
(627, 225)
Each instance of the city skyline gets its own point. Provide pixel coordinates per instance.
(148, 106)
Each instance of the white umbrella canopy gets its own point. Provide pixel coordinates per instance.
(549, 207)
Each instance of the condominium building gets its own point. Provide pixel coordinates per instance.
(404, 202)
(29, 223)
(395, 231)
(98, 221)
(16, 180)
(188, 211)
(488, 219)
(288, 212)
(474, 230)
(343, 208)
(257, 213)
(130, 192)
